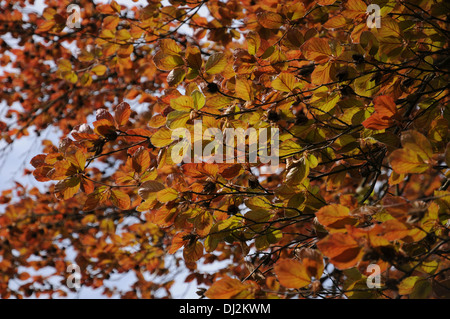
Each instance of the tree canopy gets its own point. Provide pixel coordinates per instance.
(362, 116)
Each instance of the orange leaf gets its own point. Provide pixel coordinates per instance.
(120, 199)
(232, 171)
(166, 195)
(104, 127)
(405, 160)
(141, 160)
(68, 187)
(122, 113)
(385, 109)
(325, 2)
(270, 20)
(292, 273)
(226, 288)
(243, 89)
(199, 170)
(321, 74)
(354, 9)
(317, 49)
(312, 259)
(394, 229)
(157, 121)
(193, 252)
(335, 216)
(169, 46)
(342, 249)
(335, 22)
(77, 158)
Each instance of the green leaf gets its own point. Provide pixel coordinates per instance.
(199, 99)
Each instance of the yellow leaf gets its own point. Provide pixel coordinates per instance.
(243, 89)
(162, 137)
(110, 22)
(64, 65)
(120, 199)
(418, 143)
(253, 42)
(157, 121)
(123, 35)
(77, 158)
(166, 195)
(216, 63)
(99, 69)
(167, 62)
(285, 82)
(406, 286)
(169, 47)
(182, 103)
(405, 160)
(107, 226)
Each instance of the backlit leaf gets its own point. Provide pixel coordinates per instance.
(292, 274)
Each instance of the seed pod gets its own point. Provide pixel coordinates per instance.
(209, 187)
(300, 118)
(388, 253)
(358, 58)
(213, 88)
(232, 210)
(307, 70)
(111, 136)
(253, 182)
(347, 91)
(342, 74)
(365, 171)
(392, 284)
(273, 116)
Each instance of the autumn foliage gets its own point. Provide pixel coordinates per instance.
(364, 149)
